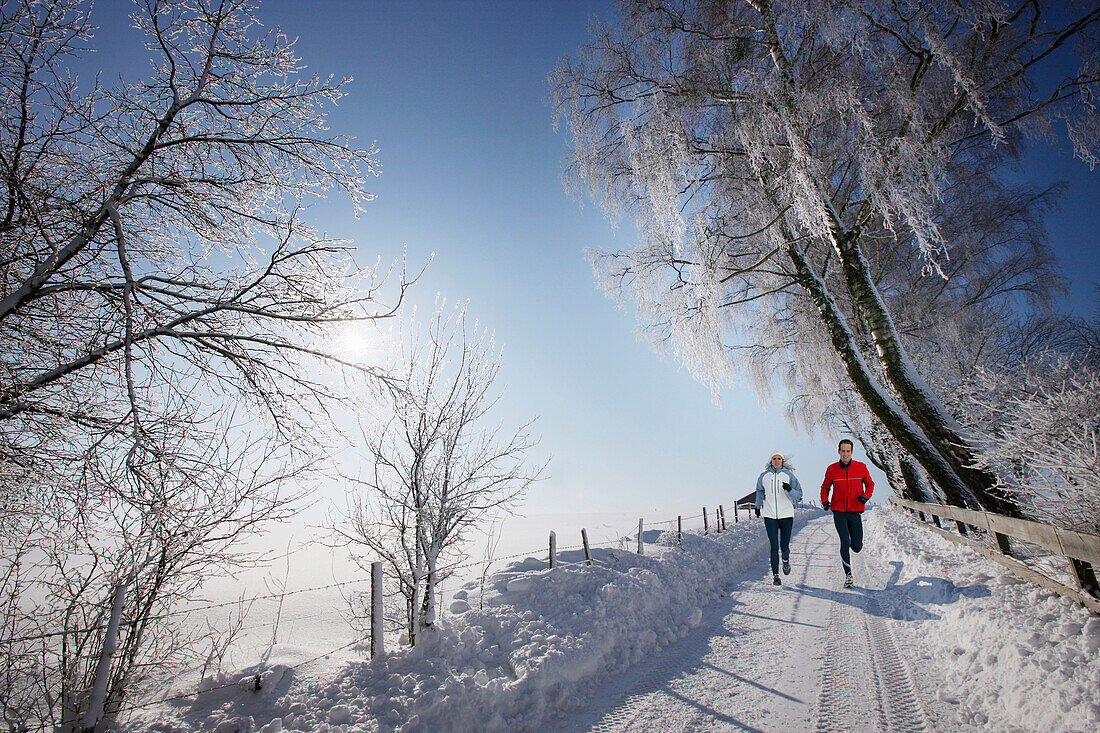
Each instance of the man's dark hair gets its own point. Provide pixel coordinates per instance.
(841, 444)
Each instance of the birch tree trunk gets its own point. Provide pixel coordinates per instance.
(417, 578)
(884, 461)
(916, 488)
(428, 619)
(921, 403)
(98, 694)
(900, 425)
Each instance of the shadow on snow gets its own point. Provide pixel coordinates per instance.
(902, 602)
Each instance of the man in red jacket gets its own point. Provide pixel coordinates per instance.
(851, 488)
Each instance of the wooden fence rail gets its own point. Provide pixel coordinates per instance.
(1081, 549)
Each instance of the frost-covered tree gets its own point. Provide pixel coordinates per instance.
(1039, 428)
(802, 173)
(438, 464)
(158, 534)
(168, 324)
(150, 231)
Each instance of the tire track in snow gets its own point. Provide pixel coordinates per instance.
(898, 694)
(847, 687)
(865, 686)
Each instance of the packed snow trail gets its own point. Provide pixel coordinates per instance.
(808, 655)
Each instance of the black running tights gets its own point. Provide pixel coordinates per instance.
(779, 535)
(849, 525)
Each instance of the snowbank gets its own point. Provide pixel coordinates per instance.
(1013, 657)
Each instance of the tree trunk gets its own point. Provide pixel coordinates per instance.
(900, 425)
(921, 403)
(97, 697)
(414, 610)
(890, 466)
(428, 619)
(916, 488)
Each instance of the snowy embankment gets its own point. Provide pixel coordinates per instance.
(984, 649)
(987, 648)
(505, 662)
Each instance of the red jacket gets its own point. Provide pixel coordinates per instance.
(847, 483)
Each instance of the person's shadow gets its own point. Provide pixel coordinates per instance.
(905, 602)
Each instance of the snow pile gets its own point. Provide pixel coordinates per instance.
(509, 661)
(1005, 654)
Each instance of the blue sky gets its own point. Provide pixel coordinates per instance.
(454, 95)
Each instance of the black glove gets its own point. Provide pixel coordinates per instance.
(825, 505)
(757, 510)
(861, 499)
(787, 488)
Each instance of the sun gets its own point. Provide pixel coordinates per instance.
(362, 341)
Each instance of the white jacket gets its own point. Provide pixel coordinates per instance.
(777, 492)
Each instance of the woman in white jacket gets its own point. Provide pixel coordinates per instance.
(777, 491)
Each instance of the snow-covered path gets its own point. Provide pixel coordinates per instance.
(807, 655)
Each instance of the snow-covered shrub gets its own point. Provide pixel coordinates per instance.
(1038, 426)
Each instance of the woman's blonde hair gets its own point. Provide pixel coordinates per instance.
(786, 464)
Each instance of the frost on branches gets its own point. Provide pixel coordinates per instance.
(822, 182)
(166, 329)
(1040, 432)
(437, 464)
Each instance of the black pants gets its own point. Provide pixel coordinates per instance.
(779, 534)
(849, 525)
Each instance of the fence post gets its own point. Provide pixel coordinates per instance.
(705, 528)
(97, 696)
(584, 540)
(376, 644)
(679, 529)
(722, 515)
(1085, 576)
(640, 537)
(735, 512)
(553, 548)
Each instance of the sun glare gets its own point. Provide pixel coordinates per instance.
(362, 341)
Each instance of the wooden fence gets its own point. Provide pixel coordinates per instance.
(1082, 550)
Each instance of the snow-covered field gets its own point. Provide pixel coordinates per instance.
(683, 638)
